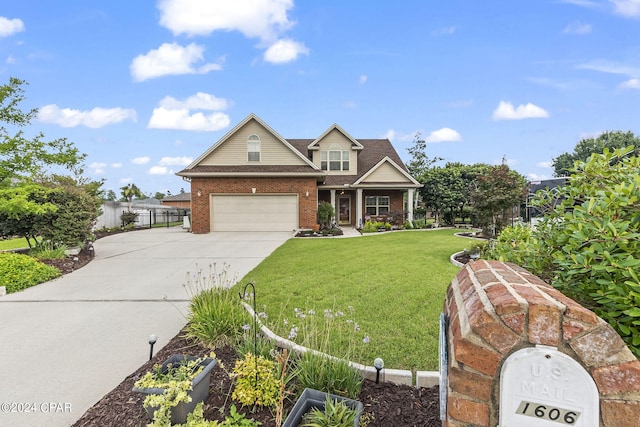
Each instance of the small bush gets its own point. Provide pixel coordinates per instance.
(329, 374)
(374, 226)
(47, 250)
(216, 316)
(264, 392)
(18, 272)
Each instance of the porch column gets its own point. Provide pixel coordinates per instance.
(333, 203)
(359, 208)
(410, 204)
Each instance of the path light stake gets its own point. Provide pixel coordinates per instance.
(152, 341)
(255, 325)
(378, 364)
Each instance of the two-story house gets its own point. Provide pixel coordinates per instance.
(253, 179)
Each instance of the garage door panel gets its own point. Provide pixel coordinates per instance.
(263, 212)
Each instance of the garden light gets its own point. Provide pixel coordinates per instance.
(152, 341)
(378, 364)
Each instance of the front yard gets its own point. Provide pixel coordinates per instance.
(392, 285)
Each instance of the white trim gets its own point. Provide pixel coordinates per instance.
(228, 135)
(354, 142)
(386, 159)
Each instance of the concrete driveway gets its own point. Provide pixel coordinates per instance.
(64, 344)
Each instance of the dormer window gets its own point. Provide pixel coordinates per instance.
(334, 159)
(253, 148)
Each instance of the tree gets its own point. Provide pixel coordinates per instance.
(110, 196)
(130, 192)
(563, 164)
(159, 195)
(22, 158)
(448, 188)
(496, 191)
(419, 162)
(21, 208)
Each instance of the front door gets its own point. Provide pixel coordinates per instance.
(344, 210)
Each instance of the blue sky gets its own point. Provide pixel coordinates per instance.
(145, 87)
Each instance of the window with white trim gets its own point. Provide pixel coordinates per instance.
(334, 159)
(253, 148)
(376, 205)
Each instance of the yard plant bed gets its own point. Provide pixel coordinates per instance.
(386, 404)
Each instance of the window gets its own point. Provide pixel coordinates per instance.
(376, 205)
(253, 148)
(334, 159)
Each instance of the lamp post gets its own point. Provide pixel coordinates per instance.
(378, 364)
(152, 341)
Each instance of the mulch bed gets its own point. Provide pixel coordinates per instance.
(385, 404)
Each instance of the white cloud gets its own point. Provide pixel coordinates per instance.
(140, 160)
(199, 101)
(10, 26)
(506, 111)
(97, 168)
(611, 68)
(630, 84)
(95, 118)
(175, 161)
(116, 165)
(393, 135)
(363, 79)
(630, 8)
(181, 119)
(582, 3)
(160, 170)
(126, 180)
(445, 31)
(10, 59)
(170, 59)
(284, 51)
(444, 135)
(263, 19)
(577, 28)
(547, 164)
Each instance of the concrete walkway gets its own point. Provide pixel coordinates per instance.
(66, 343)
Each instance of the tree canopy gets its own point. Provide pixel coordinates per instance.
(564, 163)
(22, 158)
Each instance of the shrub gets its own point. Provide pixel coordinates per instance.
(328, 374)
(256, 382)
(47, 250)
(18, 272)
(513, 244)
(128, 218)
(374, 226)
(215, 314)
(588, 243)
(335, 414)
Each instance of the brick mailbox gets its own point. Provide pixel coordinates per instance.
(520, 353)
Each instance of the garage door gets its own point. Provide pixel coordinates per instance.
(254, 212)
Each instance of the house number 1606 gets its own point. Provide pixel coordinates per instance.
(547, 412)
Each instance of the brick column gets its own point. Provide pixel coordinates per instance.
(494, 309)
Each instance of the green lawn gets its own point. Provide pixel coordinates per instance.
(13, 244)
(395, 282)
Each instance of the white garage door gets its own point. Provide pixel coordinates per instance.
(254, 212)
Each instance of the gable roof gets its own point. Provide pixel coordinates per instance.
(196, 169)
(315, 143)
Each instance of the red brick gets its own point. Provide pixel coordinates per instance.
(544, 325)
(502, 300)
(573, 310)
(470, 384)
(492, 330)
(479, 358)
(516, 322)
(486, 277)
(466, 287)
(469, 412)
(571, 328)
(623, 378)
(620, 413)
(595, 347)
(200, 209)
